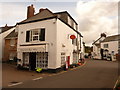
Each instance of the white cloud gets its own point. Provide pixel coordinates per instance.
(96, 17)
(12, 13)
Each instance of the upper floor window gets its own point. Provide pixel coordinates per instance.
(105, 45)
(35, 35)
(12, 42)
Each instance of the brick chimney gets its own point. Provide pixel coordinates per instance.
(30, 11)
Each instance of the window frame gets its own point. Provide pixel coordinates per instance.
(38, 35)
(106, 46)
(12, 42)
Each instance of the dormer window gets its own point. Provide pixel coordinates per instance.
(35, 35)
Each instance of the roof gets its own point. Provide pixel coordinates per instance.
(39, 16)
(13, 34)
(96, 40)
(48, 15)
(35, 20)
(112, 38)
(5, 28)
(67, 14)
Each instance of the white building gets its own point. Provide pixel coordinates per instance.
(4, 31)
(97, 47)
(44, 40)
(110, 46)
(106, 47)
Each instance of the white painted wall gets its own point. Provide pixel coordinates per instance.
(50, 38)
(96, 50)
(112, 46)
(2, 41)
(63, 37)
(56, 34)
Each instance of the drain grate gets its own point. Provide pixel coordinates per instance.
(13, 82)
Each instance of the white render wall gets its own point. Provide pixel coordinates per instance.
(112, 46)
(96, 52)
(63, 38)
(56, 34)
(2, 41)
(50, 38)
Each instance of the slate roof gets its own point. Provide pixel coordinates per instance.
(96, 40)
(112, 38)
(47, 15)
(13, 34)
(5, 28)
(39, 16)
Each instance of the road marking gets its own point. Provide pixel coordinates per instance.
(15, 84)
(116, 83)
(37, 78)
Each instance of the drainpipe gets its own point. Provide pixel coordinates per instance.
(77, 48)
(80, 48)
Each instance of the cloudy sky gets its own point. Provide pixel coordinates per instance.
(93, 16)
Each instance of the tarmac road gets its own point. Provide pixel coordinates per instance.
(94, 74)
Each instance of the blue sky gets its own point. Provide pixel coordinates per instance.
(93, 16)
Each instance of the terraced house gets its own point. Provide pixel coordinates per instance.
(48, 40)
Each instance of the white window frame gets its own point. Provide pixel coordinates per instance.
(32, 35)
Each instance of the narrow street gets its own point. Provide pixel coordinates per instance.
(94, 74)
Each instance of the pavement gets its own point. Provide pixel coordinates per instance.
(93, 74)
(10, 75)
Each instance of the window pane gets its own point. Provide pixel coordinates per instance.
(35, 32)
(105, 45)
(35, 38)
(27, 36)
(12, 42)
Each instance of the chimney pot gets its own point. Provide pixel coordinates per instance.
(103, 35)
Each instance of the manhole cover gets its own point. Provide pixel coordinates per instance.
(13, 82)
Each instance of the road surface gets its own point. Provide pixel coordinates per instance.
(94, 74)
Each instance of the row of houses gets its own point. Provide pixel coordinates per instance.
(47, 40)
(106, 47)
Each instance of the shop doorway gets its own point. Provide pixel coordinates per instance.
(32, 61)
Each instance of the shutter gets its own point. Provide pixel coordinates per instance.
(27, 36)
(42, 35)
